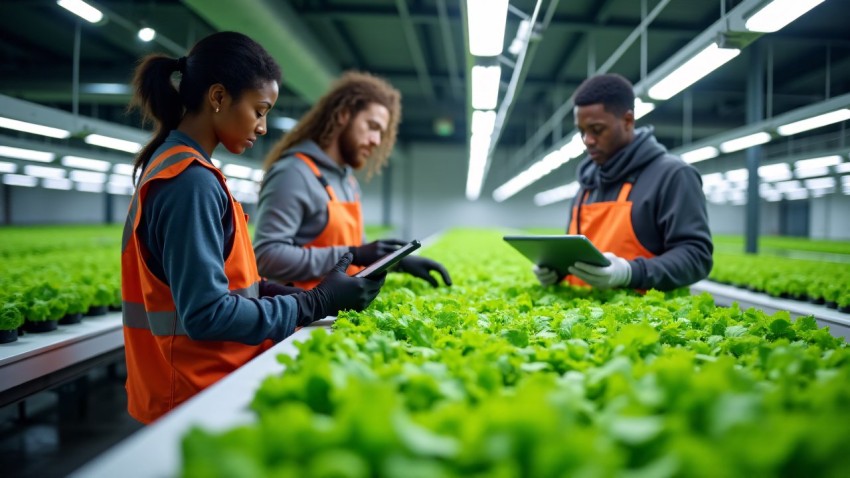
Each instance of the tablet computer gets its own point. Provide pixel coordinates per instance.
(389, 260)
(557, 252)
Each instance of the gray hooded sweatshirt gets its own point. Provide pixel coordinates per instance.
(292, 211)
(668, 210)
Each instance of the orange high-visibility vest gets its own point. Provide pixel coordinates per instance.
(344, 227)
(165, 367)
(608, 225)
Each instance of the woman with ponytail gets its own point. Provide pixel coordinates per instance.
(195, 308)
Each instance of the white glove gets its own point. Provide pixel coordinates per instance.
(545, 276)
(617, 274)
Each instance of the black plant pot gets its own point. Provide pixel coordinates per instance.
(115, 308)
(42, 326)
(7, 336)
(832, 304)
(71, 319)
(97, 310)
(784, 295)
(845, 309)
(817, 300)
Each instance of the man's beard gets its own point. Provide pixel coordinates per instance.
(349, 149)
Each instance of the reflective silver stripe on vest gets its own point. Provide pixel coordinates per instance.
(161, 324)
(147, 175)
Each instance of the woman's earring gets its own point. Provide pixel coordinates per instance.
(216, 109)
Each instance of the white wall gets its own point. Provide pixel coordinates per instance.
(829, 217)
(30, 206)
(728, 219)
(429, 195)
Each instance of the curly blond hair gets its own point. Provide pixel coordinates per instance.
(353, 92)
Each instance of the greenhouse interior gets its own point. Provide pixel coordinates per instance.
(675, 301)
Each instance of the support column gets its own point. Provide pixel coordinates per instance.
(755, 113)
(387, 195)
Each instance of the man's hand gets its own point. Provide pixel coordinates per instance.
(617, 274)
(421, 267)
(369, 253)
(545, 275)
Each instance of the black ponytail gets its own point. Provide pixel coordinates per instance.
(158, 100)
(229, 58)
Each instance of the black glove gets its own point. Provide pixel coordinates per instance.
(369, 253)
(421, 267)
(337, 291)
(271, 289)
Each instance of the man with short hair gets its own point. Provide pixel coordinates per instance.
(309, 211)
(641, 206)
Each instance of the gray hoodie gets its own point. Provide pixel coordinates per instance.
(292, 212)
(668, 210)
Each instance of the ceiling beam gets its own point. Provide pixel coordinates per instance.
(415, 48)
(276, 26)
(449, 49)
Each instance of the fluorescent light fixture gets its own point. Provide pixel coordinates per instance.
(737, 175)
(821, 162)
(82, 10)
(216, 162)
(778, 13)
(113, 143)
(797, 194)
(20, 180)
(121, 168)
(574, 148)
(523, 33)
(28, 154)
(88, 177)
(106, 88)
(845, 181)
(237, 171)
(86, 163)
(700, 154)
(744, 142)
(561, 193)
(712, 179)
(483, 122)
(842, 168)
(33, 128)
(642, 108)
(88, 187)
(811, 172)
(283, 123)
(820, 183)
(776, 172)
(786, 186)
(119, 190)
(703, 63)
(486, 20)
(485, 86)
(737, 197)
(6, 167)
(258, 175)
(44, 171)
(814, 122)
(772, 196)
(59, 183)
(479, 147)
(147, 34)
(121, 180)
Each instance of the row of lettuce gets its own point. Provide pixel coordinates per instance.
(498, 377)
(815, 281)
(53, 272)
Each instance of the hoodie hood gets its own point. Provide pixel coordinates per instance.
(311, 149)
(643, 150)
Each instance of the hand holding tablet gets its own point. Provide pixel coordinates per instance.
(558, 253)
(389, 260)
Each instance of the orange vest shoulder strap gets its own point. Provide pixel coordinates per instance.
(624, 192)
(312, 165)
